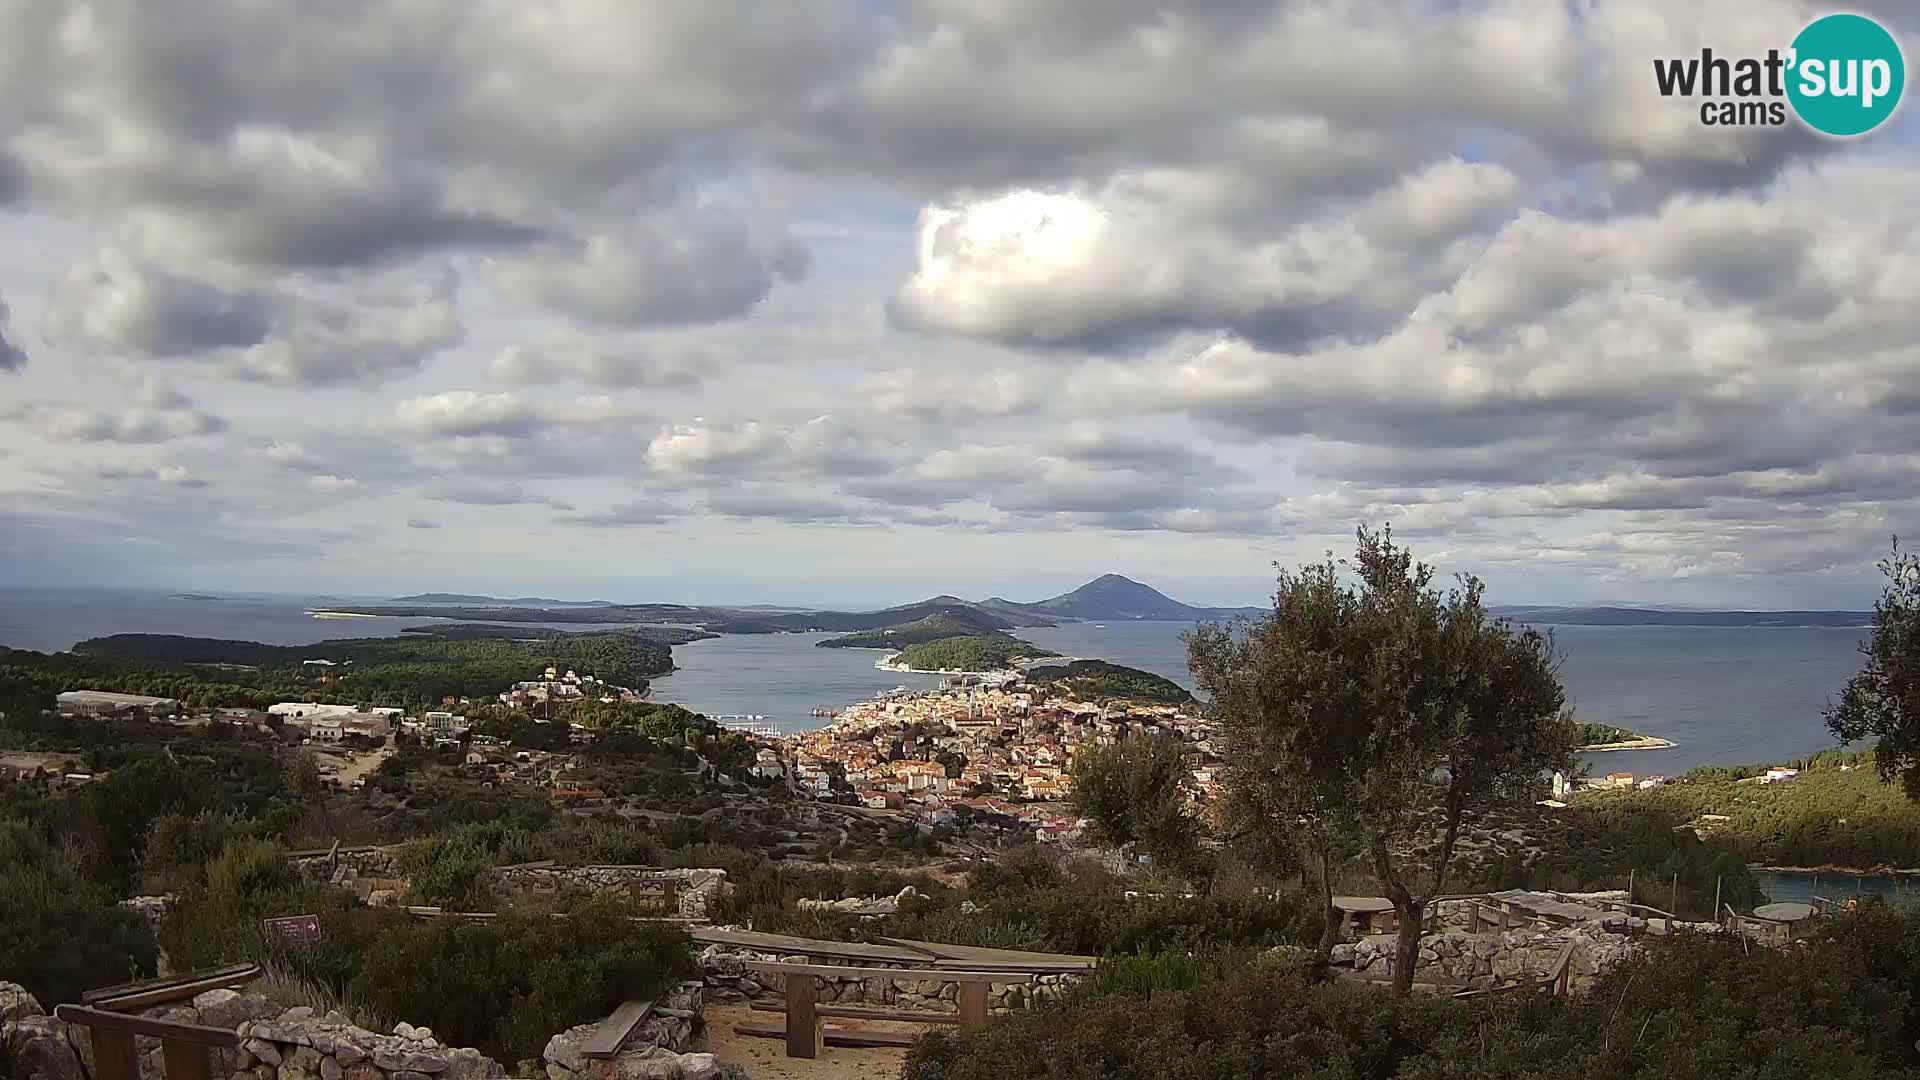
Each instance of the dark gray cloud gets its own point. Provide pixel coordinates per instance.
(422, 523)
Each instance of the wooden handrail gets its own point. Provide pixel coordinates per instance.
(102, 1020)
(131, 997)
(829, 971)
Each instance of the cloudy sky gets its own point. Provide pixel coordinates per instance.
(851, 301)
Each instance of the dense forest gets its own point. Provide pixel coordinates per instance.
(969, 653)
(413, 670)
(1098, 680)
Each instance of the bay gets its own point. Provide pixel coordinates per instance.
(1723, 695)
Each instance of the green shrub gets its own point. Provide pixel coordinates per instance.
(506, 985)
(248, 869)
(450, 873)
(62, 932)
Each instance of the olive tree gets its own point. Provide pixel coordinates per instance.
(1370, 712)
(1883, 699)
(1135, 792)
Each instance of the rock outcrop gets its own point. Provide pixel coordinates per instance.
(656, 1050)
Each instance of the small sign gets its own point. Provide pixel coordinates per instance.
(298, 929)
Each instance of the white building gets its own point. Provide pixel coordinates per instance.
(308, 710)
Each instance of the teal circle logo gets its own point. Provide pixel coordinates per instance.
(1846, 75)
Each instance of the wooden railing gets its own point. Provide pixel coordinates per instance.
(134, 996)
(183, 1047)
(804, 1033)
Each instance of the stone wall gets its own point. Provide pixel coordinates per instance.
(374, 875)
(277, 1044)
(656, 1050)
(698, 888)
(728, 979)
(1483, 960)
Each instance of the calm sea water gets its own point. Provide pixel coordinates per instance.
(1721, 694)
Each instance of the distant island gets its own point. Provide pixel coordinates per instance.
(193, 596)
(1633, 616)
(965, 655)
(1108, 598)
(519, 601)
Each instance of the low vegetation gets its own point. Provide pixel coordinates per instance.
(1845, 1006)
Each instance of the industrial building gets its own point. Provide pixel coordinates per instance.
(104, 703)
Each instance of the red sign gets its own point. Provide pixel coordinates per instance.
(300, 929)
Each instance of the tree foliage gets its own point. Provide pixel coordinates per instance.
(1135, 791)
(1371, 709)
(1882, 701)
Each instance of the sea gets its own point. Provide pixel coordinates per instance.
(1722, 695)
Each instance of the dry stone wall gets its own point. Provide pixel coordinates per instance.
(374, 874)
(276, 1044)
(729, 979)
(1484, 960)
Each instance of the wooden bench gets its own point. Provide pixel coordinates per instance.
(613, 1031)
(183, 1047)
(804, 1033)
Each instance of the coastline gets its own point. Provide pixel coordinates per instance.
(1839, 871)
(324, 614)
(1645, 742)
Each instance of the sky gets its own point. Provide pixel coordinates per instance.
(854, 302)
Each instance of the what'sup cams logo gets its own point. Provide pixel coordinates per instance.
(1843, 75)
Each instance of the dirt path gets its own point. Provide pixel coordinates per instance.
(766, 1059)
(362, 765)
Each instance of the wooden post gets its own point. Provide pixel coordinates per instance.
(184, 1060)
(973, 1004)
(1630, 873)
(803, 1023)
(1716, 900)
(114, 1057)
(1673, 904)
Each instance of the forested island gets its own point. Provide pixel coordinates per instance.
(971, 653)
(1098, 680)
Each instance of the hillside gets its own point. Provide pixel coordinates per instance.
(1111, 597)
(1097, 679)
(974, 615)
(931, 628)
